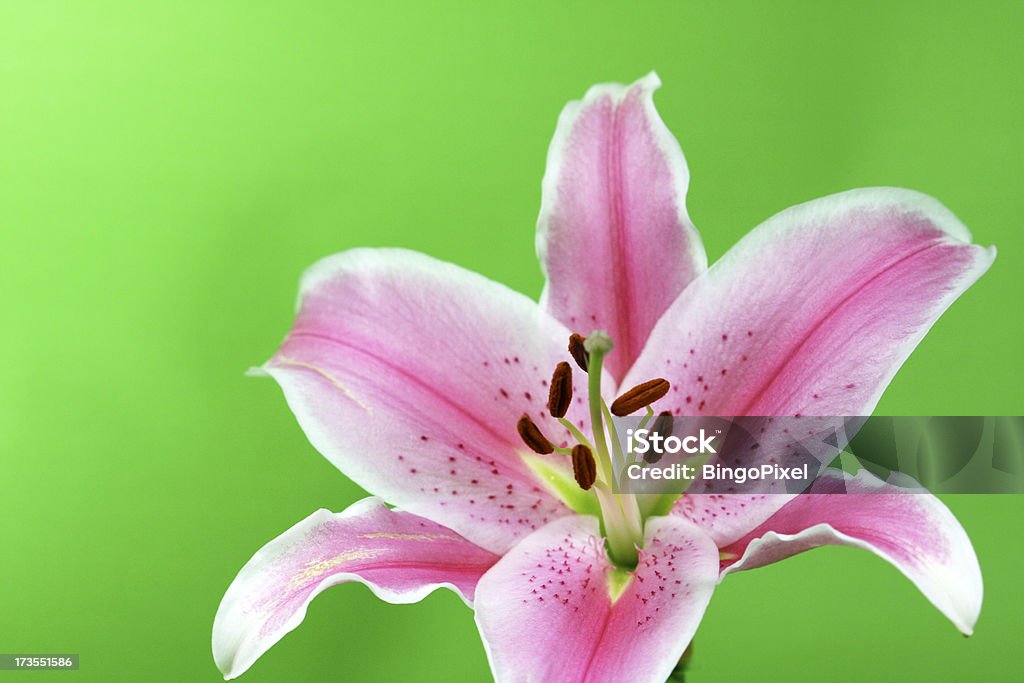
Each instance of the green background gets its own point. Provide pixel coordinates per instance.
(167, 170)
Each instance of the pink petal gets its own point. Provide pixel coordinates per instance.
(401, 557)
(914, 532)
(814, 311)
(545, 613)
(409, 374)
(728, 517)
(613, 235)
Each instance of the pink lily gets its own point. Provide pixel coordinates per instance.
(410, 376)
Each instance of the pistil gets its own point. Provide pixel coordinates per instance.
(621, 516)
(597, 345)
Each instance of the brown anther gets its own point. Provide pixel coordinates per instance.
(560, 392)
(533, 437)
(640, 396)
(663, 427)
(578, 353)
(584, 468)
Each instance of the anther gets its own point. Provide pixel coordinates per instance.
(578, 352)
(533, 437)
(640, 396)
(663, 427)
(560, 392)
(584, 468)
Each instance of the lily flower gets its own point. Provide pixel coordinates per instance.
(432, 387)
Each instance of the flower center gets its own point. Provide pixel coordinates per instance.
(622, 522)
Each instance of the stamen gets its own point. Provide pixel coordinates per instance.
(647, 418)
(574, 430)
(578, 352)
(584, 467)
(560, 393)
(533, 437)
(662, 426)
(663, 423)
(640, 396)
(621, 522)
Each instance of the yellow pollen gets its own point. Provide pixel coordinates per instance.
(315, 569)
(410, 537)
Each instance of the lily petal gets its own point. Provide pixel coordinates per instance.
(546, 611)
(814, 311)
(410, 374)
(913, 531)
(613, 236)
(729, 517)
(401, 557)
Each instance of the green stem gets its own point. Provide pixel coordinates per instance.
(627, 502)
(576, 432)
(622, 524)
(647, 418)
(595, 400)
